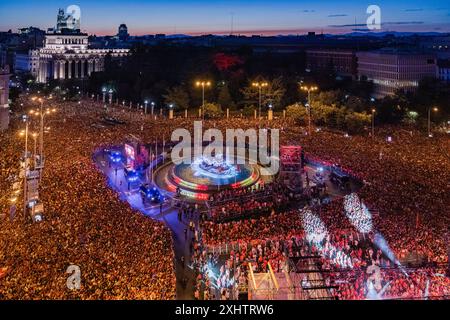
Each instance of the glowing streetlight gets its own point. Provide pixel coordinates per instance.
(104, 90)
(309, 89)
(41, 113)
(260, 86)
(203, 85)
(429, 119)
(373, 122)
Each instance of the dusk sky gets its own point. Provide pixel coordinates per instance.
(251, 17)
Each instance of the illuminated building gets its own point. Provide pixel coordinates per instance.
(66, 54)
(391, 70)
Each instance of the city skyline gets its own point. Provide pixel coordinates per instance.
(220, 17)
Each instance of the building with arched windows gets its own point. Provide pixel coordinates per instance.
(66, 55)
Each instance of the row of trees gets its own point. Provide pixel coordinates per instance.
(330, 116)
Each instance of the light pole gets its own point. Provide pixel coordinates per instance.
(373, 123)
(42, 115)
(260, 86)
(104, 95)
(153, 107)
(35, 135)
(41, 127)
(25, 119)
(110, 95)
(146, 103)
(203, 85)
(429, 119)
(309, 90)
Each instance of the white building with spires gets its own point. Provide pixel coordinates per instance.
(66, 53)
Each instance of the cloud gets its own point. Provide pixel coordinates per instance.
(337, 15)
(308, 11)
(403, 22)
(413, 10)
(347, 25)
(385, 23)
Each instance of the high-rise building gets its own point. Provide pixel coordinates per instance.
(4, 98)
(342, 62)
(391, 69)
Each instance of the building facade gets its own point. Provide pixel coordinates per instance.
(392, 70)
(66, 54)
(4, 98)
(444, 70)
(342, 62)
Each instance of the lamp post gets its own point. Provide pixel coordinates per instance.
(373, 123)
(171, 111)
(35, 135)
(110, 95)
(270, 113)
(153, 107)
(429, 119)
(203, 85)
(25, 119)
(104, 95)
(309, 89)
(41, 126)
(146, 104)
(260, 86)
(42, 115)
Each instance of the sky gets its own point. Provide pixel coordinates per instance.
(259, 17)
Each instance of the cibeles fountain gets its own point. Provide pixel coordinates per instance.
(198, 179)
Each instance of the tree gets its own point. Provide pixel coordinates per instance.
(177, 96)
(355, 121)
(273, 93)
(333, 97)
(224, 99)
(212, 110)
(298, 113)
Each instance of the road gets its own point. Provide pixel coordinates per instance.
(169, 215)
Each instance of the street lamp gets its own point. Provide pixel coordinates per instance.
(429, 119)
(35, 136)
(42, 115)
(110, 95)
(203, 85)
(309, 90)
(25, 119)
(373, 122)
(104, 90)
(153, 107)
(260, 86)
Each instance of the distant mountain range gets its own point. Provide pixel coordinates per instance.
(362, 33)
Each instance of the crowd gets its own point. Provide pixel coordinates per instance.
(122, 254)
(251, 202)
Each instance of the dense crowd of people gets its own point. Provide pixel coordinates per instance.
(251, 202)
(124, 255)
(120, 253)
